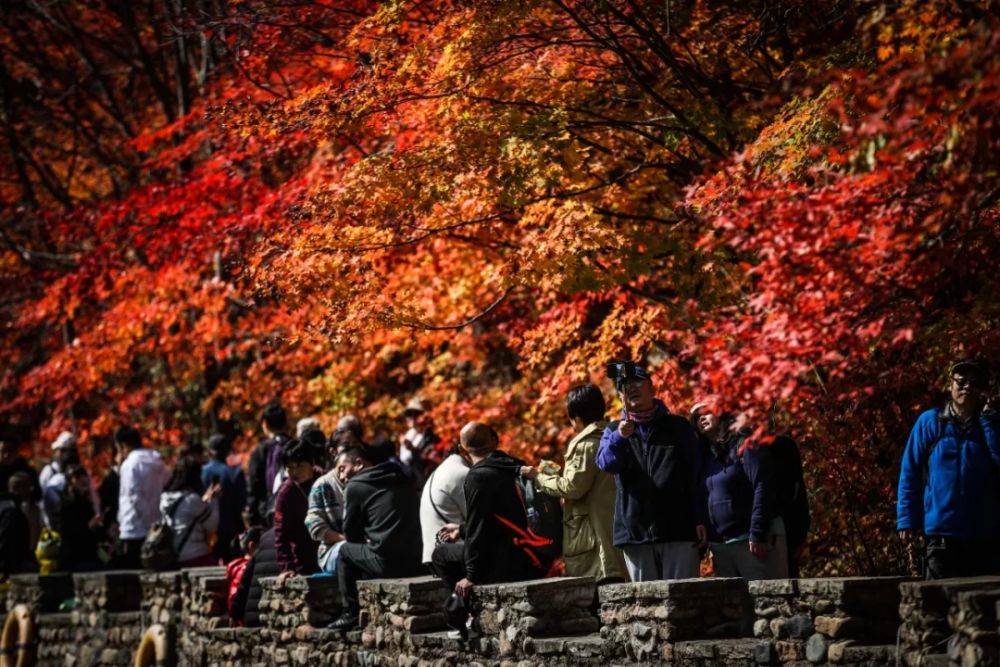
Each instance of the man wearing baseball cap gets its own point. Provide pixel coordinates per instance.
(660, 506)
(949, 482)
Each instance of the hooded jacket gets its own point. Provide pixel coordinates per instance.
(741, 490)
(382, 509)
(660, 495)
(950, 477)
(494, 502)
(143, 476)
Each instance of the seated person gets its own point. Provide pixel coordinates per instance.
(263, 563)
(494, 550)
(325, 518)
(296, 549)
(381, 527)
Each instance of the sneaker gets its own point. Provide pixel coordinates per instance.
(344, 623)
(454, 634)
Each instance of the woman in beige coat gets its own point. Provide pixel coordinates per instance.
(588, 493)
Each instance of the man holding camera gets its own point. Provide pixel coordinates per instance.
(660, 504)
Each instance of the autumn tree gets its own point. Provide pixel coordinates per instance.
(786, 207)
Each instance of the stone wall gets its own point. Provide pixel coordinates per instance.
(98, 619)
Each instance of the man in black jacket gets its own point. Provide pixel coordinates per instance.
(660, 507)
(265, 464)
(497, 540)
(381, 528)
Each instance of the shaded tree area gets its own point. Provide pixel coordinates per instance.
(789, 208)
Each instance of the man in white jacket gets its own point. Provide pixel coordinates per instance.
(143, 476)
(443, 500)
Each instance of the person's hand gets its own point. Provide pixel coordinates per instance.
(212, 492)
(332, 537)
(463, 588)
(285, 576)
(626, 428)
(529, 472)
(94, 522)
(758, 549)
(702, 534)
(450, 532)
(906, 536)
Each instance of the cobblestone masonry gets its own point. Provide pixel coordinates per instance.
(553, 622)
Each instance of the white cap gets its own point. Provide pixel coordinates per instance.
(66, 440)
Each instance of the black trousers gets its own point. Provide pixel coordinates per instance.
(129, 559)
(355, 562)
(947, 557)
(448, 562)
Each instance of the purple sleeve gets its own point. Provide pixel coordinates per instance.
(613, 452)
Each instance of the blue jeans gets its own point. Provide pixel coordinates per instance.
(330, 563)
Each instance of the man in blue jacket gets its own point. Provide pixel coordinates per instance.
(660, 504)
(949, 483)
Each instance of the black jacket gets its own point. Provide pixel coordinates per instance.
(16, 554)
(494, 503)
(661, 494)
(264, 563)
(792, 500)
(78, 549)
(260, 500)
(382, 509)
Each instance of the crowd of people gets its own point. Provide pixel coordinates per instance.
(642, 497)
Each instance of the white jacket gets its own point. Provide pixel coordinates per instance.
(192, 509)
(143, 477)
(446, 486)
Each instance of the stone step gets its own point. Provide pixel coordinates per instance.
(927, 609)
(111, 591)
(537, 608)
(392, 609)
(311, 601)
(645, 618)
(42, 593)
(839, 608)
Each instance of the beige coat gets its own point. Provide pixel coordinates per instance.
(588, 509)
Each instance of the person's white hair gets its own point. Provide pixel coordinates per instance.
(306, 424)
(66, 440)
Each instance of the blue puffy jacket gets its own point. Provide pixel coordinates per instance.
(741, 498)
(949, 483)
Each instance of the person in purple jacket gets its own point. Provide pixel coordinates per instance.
(660, 503)
(296, 549)
(746, 534)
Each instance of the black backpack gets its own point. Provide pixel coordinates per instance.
(158, 552)
(544, 535)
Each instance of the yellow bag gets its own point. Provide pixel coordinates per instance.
(47, 551)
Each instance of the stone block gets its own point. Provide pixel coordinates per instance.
(537, 608)
(680, 610)
(111, 591)
(44, 594)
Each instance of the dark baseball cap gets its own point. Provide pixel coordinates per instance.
(972, 366)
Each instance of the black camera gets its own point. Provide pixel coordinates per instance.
(621, 372)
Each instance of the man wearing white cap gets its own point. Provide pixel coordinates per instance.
(52, 479)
